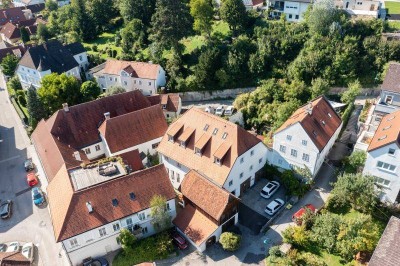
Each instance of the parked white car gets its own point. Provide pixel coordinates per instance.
(229, 110)
(274, 206)
(28, 251)
(220, 110)
(269, 189)
(13, 246)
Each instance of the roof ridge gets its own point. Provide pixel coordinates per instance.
(130, 113)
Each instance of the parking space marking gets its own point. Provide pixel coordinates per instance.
(22, 192)
(11, 158)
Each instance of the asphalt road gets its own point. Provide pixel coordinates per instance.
(28, 223)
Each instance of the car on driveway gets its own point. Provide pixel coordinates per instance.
(95, 262)
(269, 189)
(5, 209)
(220, 110)
(297, 217)
(28, 165)
(31, 179)
(37, 196)
(230, 110)
(179, 240)
(28, 251)
(3, 247)
(274, 206)
(13, 246)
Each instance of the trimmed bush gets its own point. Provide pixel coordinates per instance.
(230, 241)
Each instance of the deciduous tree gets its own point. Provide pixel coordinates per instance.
(137, 9)
(90, 90)
(234, 13)
(114, 90)
(349, 96)
(9, 64)
(35, 107)
(202, 12)
(161, 219)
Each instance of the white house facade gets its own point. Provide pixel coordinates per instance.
(294, 10)
(18, 3)
(146, 77)
(306, 138)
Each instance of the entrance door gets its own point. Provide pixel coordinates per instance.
(244, 186)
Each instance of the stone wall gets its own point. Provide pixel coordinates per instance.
(194, 96)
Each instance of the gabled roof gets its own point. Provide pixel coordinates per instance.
(10, 31)
(387, 252)
(392, 78)
(13, 15)
(319, 120)
(171, 101)
(226, 134)
(134, 128)
(18, 51)
(134, 69)
(68, 209)
(75, 48)
(13, 259)
(387, 133)
(206, 195)
(49, 56)
(36, 8)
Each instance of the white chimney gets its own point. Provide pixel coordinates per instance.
(89, 206)
(77, 156)
(309, 108)
(65, 107)
(107, 115)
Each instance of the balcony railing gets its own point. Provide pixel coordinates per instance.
(385, 108)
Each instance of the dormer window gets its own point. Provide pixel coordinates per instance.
(217, 161)
(183, 144)
(164, 106)
(206, 127)
(329, 114)
(323, 122)
(389, 99)
(224, 135)
(170, 138)
(215, 131)
(197, 151)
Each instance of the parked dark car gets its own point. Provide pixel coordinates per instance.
(3, 247)
(95, 262)
(28, 165)
(5, 209)
(179, 240)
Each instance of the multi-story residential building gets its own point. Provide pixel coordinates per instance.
(208, 210)
(220, 150)
(11, 33)
(146, 77)
(51, 57)
(389, 99)
(171, 104)
(22, 3)
(383, 157)
(305, 139)
(88, 209)
(293, 10)
(248, 4)
(365, 8)
(91, 200)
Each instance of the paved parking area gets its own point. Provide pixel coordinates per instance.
(253, 200)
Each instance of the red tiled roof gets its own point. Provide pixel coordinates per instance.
(171, 100)
(205, 195)
(134, 69)
(236, 137)
(134, 128)
(68, 208)
(13, 15)
(10, 31)
(194, 224)
(320, 125)
(388, 132)
(392, 78)
(13, 259)
(132, 159)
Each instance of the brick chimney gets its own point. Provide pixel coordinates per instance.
(107, 115)
(65, 107)
(77, 156)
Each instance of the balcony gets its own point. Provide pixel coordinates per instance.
(383, 107)
(136, 230)
(363, 141)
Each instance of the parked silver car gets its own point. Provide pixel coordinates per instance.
(274, 206)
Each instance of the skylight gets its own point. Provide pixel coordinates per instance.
(386, 128)
(132, 196)
(115, 202)
(323, 122)
(224, 135)
(391, 118)
(383, 137)
(329, 114)
(215, 131)
(206, 127)
(314, 133)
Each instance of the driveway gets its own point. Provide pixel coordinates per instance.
(28, 222)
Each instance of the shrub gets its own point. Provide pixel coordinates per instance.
(296, 235)
(230, 241)
(292, 184)
(22, 100)
(95, 48)
(274, 253)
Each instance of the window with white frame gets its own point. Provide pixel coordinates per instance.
(197, 151)
(282, 148)
(125, 83)
(129, 221)
(293, 152)
(87, 151)
(142, 216)
(178, 177)
(97, 147)
(389, 99)
(382, 181)
(168, 207)
(217, 161)
(304, 142)
(252, 153)
(172, 175)
(73, 242)
(116, 227)
(144, 230)
(149, 83)
(230, 183)
(306, 157)
(391, 151)
(102, 232)
(289, 137)
(386, 166)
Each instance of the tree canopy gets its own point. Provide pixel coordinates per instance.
(202, 12)
(234, 13)
(9, 64)
(161, 219)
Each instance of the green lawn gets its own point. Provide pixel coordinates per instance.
(393, 7)
(221, 28)
(104, 40)
(393, 26)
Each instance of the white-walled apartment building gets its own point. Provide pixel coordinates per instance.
(51, 57)
(306, 138)
(68, 145)
(293, 10)
(364, 8)
(383, 157)
(35, 2)
(146, 77)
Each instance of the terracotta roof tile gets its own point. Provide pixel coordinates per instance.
(239, 140)
(10, 31)
(205, 195)
(134, 128)
(13, 14)
(388, 132)
(320, 125)
(132, 159)
(392, 78)
(387, 252)
(194, 224)
(68, 208)
(186, 134)
(13, 259)
(135, 69)
(203, 140)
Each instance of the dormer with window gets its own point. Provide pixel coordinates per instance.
(185, 136)
(164, 106)
(171, 138)
(201, 144)
(217, 160)
(173, 132)
(221, 152)
(198, 151)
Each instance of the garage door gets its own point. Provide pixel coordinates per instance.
(244, 186)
